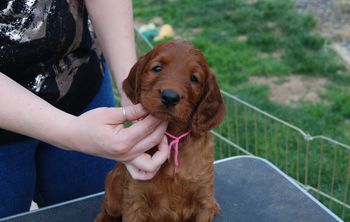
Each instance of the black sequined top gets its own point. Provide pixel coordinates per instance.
(47, 46)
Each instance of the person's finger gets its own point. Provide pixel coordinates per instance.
(163, 152)
(146, 142)
(134, 112)
(143, 129)
(118, 115)
(138, 174)
(150, 163)
(143, 162)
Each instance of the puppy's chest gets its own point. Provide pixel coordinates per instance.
(180, 189)
(185, 183)
(177, 193)
(182, 194)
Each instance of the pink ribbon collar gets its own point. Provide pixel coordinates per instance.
(175, 145)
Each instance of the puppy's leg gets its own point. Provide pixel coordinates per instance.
(105, 217)
(216, 207)
(113, 198)
(211, 208)
(135, 215)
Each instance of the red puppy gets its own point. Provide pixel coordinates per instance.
(174, 83)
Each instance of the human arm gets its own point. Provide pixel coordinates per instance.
(113, 23)
(100, 132)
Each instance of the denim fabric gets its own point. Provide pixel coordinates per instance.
(33, 169)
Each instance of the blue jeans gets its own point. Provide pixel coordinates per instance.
(34, 170)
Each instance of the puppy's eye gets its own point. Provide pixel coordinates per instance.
(157, 69)
(194, 78)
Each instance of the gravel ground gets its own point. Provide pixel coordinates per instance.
(333, 18)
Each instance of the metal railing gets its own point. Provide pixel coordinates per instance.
(318, 163)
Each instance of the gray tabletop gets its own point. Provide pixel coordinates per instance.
(247, 189)
(252, 189)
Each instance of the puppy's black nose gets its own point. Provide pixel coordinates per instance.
(169, 97)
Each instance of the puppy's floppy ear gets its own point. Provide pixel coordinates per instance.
(211, 108)
(131, 85)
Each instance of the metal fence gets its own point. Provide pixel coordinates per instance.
(318, 163)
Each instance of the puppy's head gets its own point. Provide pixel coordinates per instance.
(174, 83)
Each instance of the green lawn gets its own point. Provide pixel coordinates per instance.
(265, 38)
(245, 38)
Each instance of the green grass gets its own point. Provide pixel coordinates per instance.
(278, 41)
(244, 38)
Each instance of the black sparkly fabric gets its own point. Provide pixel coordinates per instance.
(48, 47)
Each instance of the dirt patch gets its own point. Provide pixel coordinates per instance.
(274, 55)
(332, 17)
(242, 38)
(294, 89)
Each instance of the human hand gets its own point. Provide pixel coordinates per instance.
(101, 132)
(145, 166)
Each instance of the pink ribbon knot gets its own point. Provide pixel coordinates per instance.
(175, 145)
